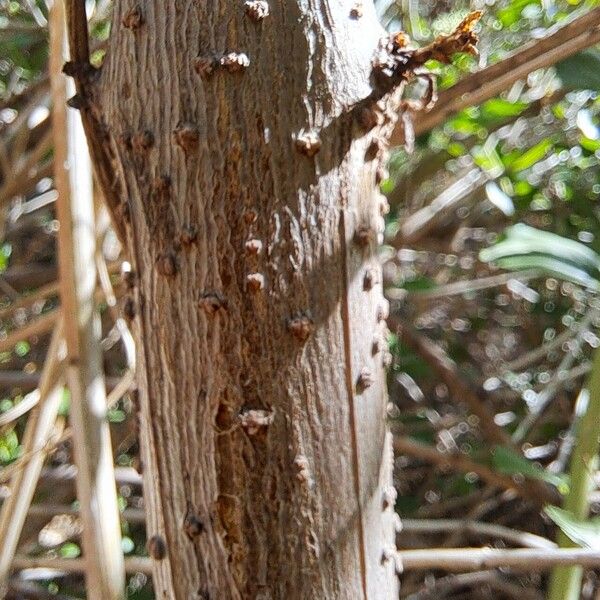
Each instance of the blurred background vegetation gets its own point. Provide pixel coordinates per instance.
(493, 326)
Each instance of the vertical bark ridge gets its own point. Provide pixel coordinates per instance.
(349, 371)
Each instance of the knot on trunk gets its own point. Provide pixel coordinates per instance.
(253, 420)
(257, 9)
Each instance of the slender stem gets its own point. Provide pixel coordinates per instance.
(134, 564)
(440, 587)
(121, 387)
(521, 538)
(545, 396)
(539, 494)
(565, 583)
(472, 285)
(38, 327)
(470, 559)
(448, 371)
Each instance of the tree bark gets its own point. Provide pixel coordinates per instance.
(251, 213)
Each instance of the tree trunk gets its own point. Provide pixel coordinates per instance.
(251, 212)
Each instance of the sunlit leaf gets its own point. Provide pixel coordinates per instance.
(70, 550)
(589, 144)
(522, 240)
(511, 14)
(532, 156)
(500, 108)
(65, 402)
(549, 266)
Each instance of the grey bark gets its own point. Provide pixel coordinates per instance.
(257, 297)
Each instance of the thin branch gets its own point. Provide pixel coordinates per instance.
(519, 538)
(447, 370)
(38, 327)
(121, 387)
(56, 437)
(15, 101)
(474, 89)
(469, 559)
(443, 585)
(67, 473)
(77, 30)
(39, 431)
(24, 301)
(17, 411)
(46, 291)
(20, 28)
(134, 564)
(27, 382)
(523, 361)
(544, 397)
(21, 180)
(30, 275)
(458, 462)
(96, 491)
(111, 300)
(472, 285)
(83, 73)
(419, 224)
(132, 515)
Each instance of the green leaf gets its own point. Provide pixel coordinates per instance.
(580, 71)
(585, 533)
(550, 266)
(499, 108)
(464, 125)
(526, 239)
(21, 349)
(70, 550)
(116, 415)
(524, 247)
(511, 14)
(532, 156)
(523, 188)
(65, 402)
(589, 144)
(507, 461)
(419, 284)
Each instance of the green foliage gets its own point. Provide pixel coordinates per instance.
(5, 252)
(584, 532)
(530, 157)
(9, 447)
(580, 71)
(500, 108)
(509, 462)
(512, 13)
(524, 247)
(70, 550)
(65, 402)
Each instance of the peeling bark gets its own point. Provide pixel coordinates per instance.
(251, 213)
